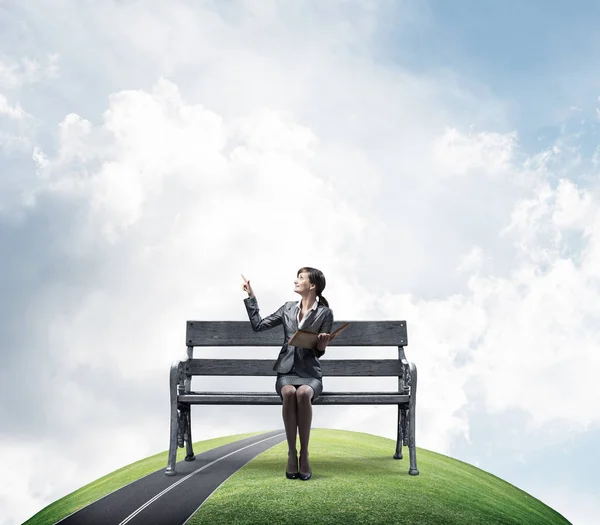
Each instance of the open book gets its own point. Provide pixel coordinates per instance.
(306, 339)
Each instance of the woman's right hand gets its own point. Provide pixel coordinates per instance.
(246, 287)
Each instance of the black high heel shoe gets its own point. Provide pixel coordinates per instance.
(304, 477)
(293, 475)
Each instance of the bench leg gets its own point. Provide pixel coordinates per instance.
(412, 447)
(174, 378)
(401, 426)
(188, 435)
(170, 470)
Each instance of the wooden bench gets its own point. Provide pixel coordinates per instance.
(239, 333)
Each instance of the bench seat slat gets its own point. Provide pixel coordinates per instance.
(264, 367)
(271, 398)
(239, 333)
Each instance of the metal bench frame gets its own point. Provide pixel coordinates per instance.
(239, 333)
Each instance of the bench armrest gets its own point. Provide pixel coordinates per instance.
(176, 377)
(405, 370)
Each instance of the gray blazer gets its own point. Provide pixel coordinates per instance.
(304, 360)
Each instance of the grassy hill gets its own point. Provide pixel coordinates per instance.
(119, 478)
(355, 480)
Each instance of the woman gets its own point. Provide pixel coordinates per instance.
(299, 377)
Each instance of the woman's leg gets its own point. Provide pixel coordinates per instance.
(290, 422)
(304, 396)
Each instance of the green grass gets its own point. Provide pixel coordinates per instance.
(356, 481)
(119, 478)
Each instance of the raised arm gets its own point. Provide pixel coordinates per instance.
(259, 324)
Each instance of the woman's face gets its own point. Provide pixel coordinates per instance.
(302, 284)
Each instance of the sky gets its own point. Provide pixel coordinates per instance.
(438, 161)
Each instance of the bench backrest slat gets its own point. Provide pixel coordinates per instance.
(239, 333)
(264, 367)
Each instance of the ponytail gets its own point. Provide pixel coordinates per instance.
(322, 300)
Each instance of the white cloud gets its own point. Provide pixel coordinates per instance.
(12, 112)
(17, 73)
(457, 153)
(153, 178)
(524, 335)
(16, 127)
(579, 507)
(573, 206)
(150, 144)
(16, 495)
(472, 261)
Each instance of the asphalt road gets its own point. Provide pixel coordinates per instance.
(171, 500)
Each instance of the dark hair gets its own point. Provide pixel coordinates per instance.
(317, 278)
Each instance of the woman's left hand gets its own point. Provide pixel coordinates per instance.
(322, 340)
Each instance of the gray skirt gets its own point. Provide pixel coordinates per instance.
(291, 378)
